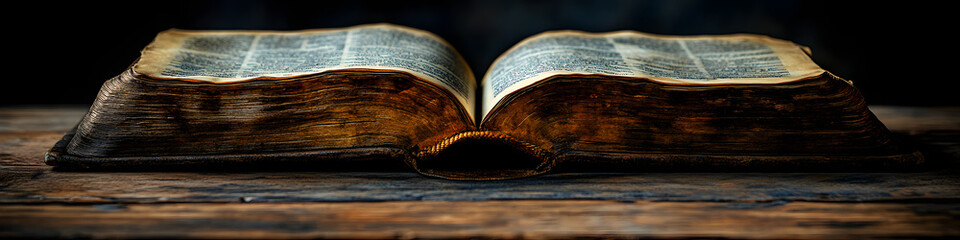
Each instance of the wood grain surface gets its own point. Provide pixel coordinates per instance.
(491, 219)
(37, 202)
(30, 185)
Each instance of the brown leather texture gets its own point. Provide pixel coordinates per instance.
(382, 120)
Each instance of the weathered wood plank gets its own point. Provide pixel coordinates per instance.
(935, 131)
(918, 119)
(27, 132)
(493, 219)
(26, 148)
(56, 118)
(40, 185)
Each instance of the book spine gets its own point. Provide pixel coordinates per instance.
(481, 155)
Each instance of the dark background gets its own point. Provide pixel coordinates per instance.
(896, 54)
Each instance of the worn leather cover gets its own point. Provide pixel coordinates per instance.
(603, 123)
(368, 120)
(328, 121)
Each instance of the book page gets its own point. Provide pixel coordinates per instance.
(691, 60)
(235, 56)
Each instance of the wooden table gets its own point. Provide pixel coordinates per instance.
(37, 202)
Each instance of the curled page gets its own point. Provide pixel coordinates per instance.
(234, 56)
(688, 60)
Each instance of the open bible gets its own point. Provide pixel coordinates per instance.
(375, 95)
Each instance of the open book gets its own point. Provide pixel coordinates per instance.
(565, 100)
